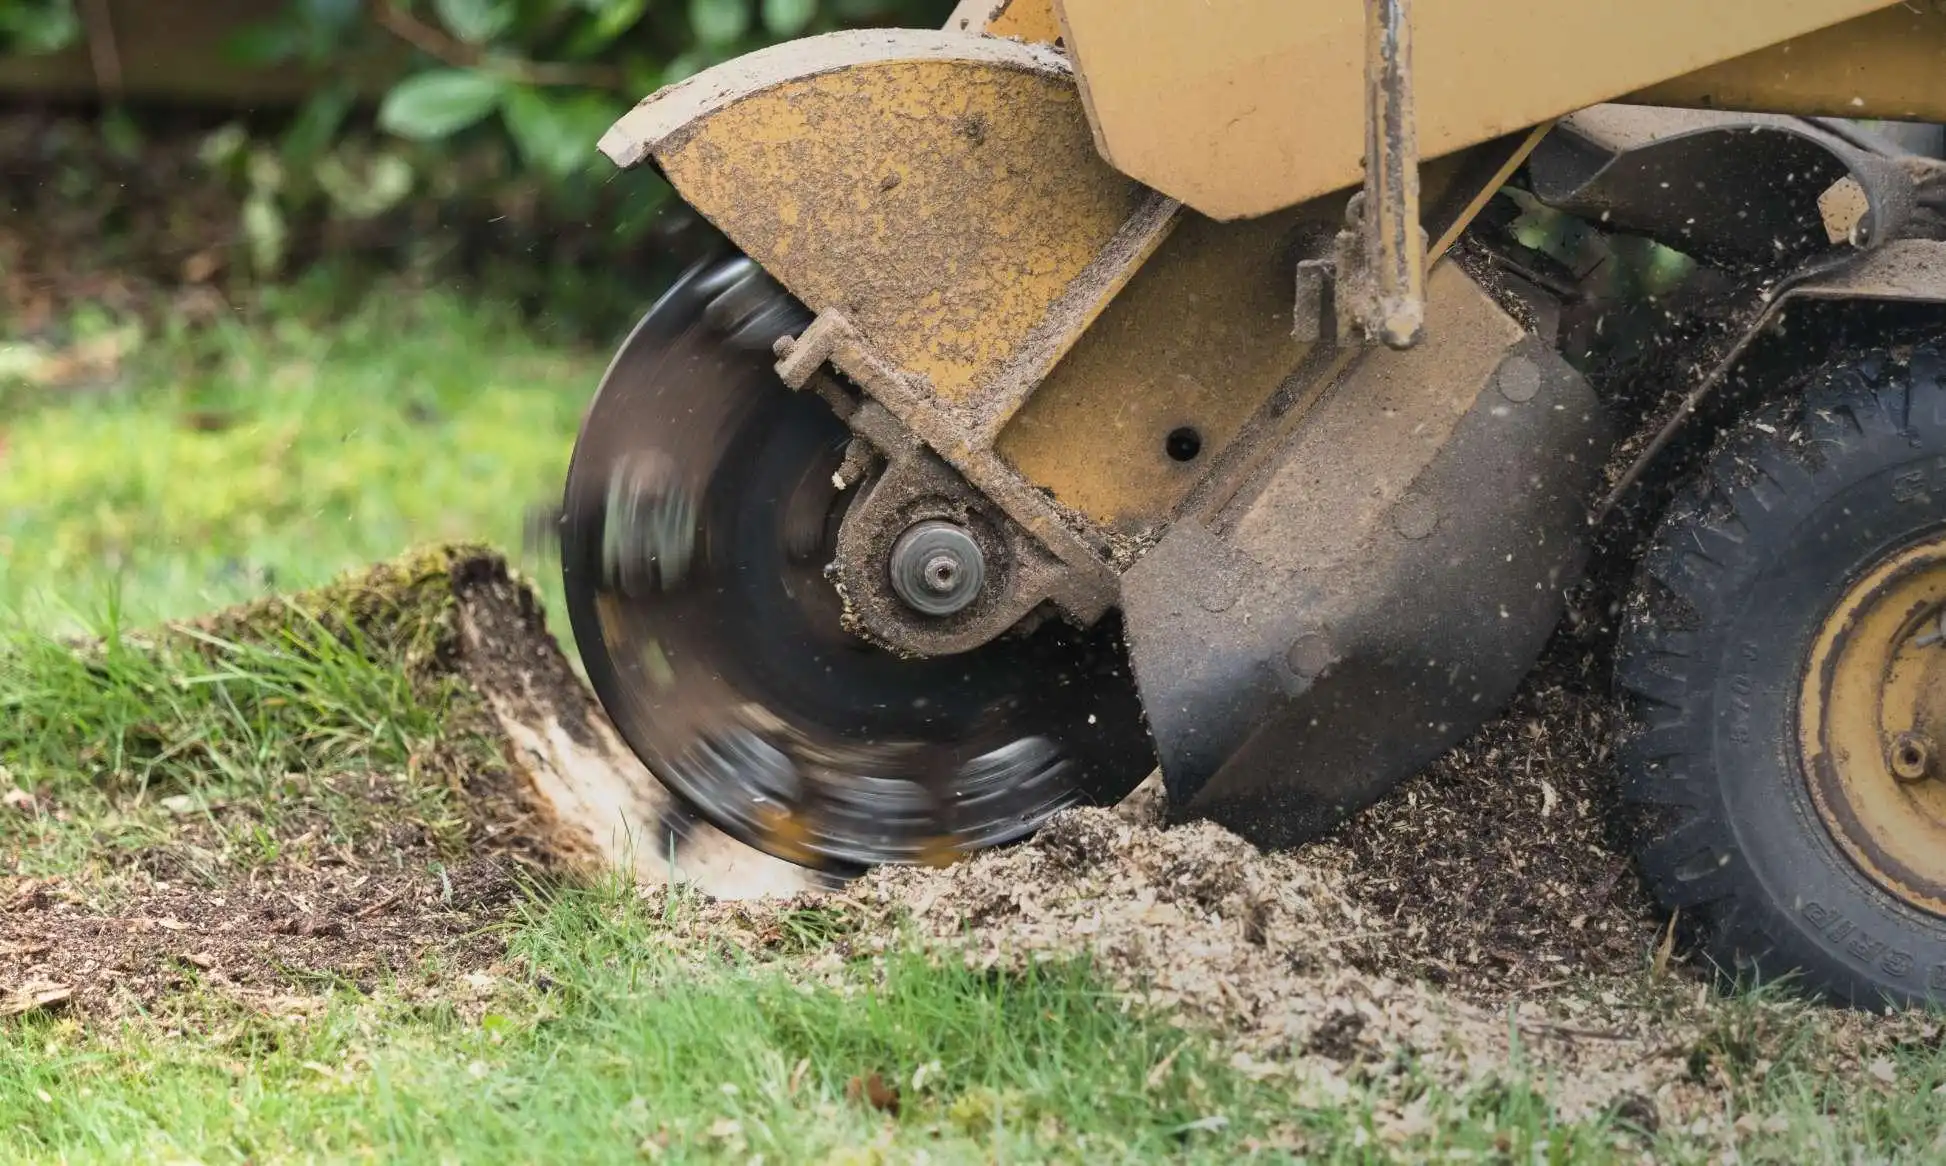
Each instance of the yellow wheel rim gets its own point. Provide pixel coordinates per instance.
(1872, 724)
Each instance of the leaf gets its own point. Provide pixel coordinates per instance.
(680, 67)
(557, 133)
(223, 146)
(120, 134)
(719, 22)
(262, 44)
(318, 121)
(612, 19)
(788, 17)
(873, 1091)
(427, 107)
(264, 172)
(476, 21)
(641, 212)
(323, 27)
(1665, 949)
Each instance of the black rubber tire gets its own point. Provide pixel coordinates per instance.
(1795, 503)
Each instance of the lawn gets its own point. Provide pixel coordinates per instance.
(288, 786)
(183, 470)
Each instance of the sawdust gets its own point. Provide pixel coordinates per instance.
(1261, 949)
(1499, 871)
(1481, 926)
(1271, 955)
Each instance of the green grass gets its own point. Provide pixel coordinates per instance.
(614, 1038)
(264, 455)
(117, 738)
(615, 1041)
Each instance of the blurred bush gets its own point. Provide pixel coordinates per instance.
(482, 140)
(550, 74)
(37, 26)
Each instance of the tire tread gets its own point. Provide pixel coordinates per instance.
(1763, 473)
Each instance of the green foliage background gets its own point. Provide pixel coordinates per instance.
(535, 81)
(551, 73)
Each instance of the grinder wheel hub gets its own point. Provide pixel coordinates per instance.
(937, 568)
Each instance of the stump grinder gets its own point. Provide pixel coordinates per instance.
(1242, 391)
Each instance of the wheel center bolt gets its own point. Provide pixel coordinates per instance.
(937, 568)
(942, 571)
(1910, 756)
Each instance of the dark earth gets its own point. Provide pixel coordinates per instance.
(1495, 871)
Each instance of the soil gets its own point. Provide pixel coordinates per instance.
(1491, 876)
(380, 897)
(537, 770)
(1485, 905)
(370, 895)
(286, 931)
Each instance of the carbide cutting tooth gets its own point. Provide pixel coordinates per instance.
(648, 527)
(752, 310)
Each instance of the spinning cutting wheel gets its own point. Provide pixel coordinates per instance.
(700, 517)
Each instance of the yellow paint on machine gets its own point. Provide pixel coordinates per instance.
(1871, 710)
(1033, 20)
(1889, 64)
(1251, 106)
(1199, 340)
(942, 191)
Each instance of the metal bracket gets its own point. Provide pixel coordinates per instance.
(1373, 284)
(908, 418)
